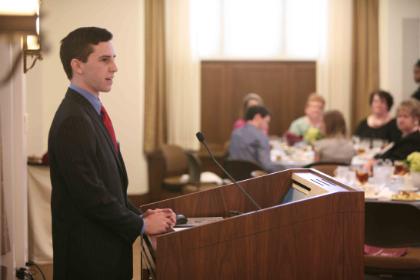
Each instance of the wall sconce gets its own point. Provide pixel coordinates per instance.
(18, 24)
(27, 27)
(31, 48)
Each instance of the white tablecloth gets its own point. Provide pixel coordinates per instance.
(291, 157)
(39, 214)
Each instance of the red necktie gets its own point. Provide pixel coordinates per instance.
(108, 124)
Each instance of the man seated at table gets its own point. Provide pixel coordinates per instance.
(250, 143)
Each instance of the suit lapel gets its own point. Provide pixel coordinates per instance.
(98, 121)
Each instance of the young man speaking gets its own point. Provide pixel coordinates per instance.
(93, 223)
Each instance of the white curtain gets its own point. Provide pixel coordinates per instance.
(183, 77)
(258, 29)
(334, 64)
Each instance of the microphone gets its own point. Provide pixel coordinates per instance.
(200, 137)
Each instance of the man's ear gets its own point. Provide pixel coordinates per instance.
(76, 66)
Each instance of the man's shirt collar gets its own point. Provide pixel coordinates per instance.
(94, 100)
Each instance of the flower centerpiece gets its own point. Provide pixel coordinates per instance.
(312, 134)
(413, 160)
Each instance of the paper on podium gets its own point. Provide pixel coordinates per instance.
(197, 221)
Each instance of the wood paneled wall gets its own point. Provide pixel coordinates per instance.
(284, 86)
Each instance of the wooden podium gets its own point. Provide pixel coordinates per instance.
(313, 231)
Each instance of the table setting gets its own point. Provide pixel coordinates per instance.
(389, 181)
(297, 155)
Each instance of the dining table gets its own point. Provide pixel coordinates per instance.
(295, 156)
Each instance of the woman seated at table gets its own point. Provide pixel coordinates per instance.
(379, 124)
(408, 117)
(314, 110)
(249, 100)
(335, 146)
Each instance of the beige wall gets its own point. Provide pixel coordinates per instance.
(395, 71)
(47, 82)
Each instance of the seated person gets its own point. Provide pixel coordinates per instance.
(314, 110)
(251, 99)
(251, 143)
(379, 124)
(408, 117)
(335, 146)
(416, 75)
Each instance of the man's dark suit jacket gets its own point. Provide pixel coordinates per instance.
(93, 224)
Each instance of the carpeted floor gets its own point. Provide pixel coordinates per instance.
(47, 268)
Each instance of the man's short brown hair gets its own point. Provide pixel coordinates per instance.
(78, 44)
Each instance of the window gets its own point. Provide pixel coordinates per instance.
(257, 29)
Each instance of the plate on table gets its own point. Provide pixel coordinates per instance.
(370, 190)
(406, 196)
(408, 189)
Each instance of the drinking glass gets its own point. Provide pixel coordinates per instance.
(362, 175)
(345, 175)
(400, 167)
(382, 171)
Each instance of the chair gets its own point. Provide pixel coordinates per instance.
(242, 169)
(325, 166)
(175, 165)
(168, 168)
(194, 172)
(393, 224)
